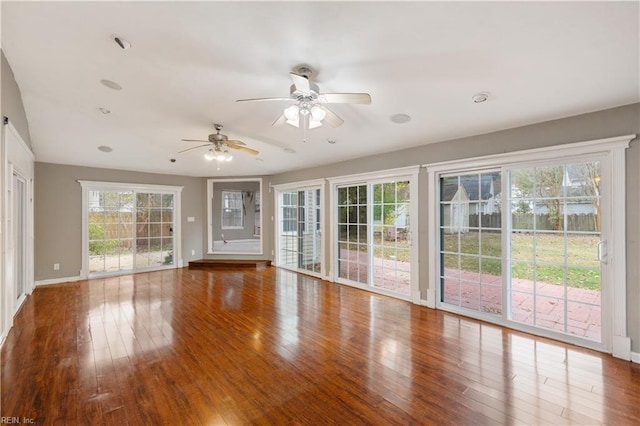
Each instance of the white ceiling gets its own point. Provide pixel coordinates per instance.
(189, 62)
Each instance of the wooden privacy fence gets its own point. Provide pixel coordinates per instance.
(583, 222)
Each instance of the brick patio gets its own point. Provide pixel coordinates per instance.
(582, 306)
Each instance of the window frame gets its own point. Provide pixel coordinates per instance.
(224, 192)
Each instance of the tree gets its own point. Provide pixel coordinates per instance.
(546, 185)
(588, 175)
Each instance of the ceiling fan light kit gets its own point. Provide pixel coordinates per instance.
(308, 111)
(219, 146)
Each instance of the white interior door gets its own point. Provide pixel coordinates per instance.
(19, 240)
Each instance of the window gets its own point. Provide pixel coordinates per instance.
(232, 210)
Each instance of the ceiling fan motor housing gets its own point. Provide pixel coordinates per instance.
(298, 95)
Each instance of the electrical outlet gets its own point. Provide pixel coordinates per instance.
(193, 252)
(56, 266)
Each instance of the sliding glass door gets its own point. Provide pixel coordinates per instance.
(129, 228)
(373, 235)
(471, 241)
(299, 237)
(555, 246)
(154, 229)
(540, 264)
(111, 243)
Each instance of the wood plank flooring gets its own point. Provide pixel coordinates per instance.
(269, 346)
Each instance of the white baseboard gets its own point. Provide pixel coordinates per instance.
(58, 280)
(635, 357)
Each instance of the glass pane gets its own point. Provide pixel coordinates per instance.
(470, 242)
(522, 276)
(582, 216)
(550, 313)
(96, 217)
(126, 216)
(155, 215)
(448, 188)
(451, 243)
(451, 291)
(522, 247)
(362, 194)
(142, 200)
(588, 279)
(471, 185)
(470, 266)
(377, 193)
(96, 231)
(167, 200)
(470, 295)
(167, 215)
(142, 230)
(125, 230)
(491, 243)
(585, 320)
(491, 271)
(142, 216)
(155, 230)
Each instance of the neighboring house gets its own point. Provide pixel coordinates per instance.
(472, 195)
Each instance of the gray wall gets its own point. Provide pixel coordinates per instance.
(58, 214)
(11, 102)
(249, 218)
(602, 124)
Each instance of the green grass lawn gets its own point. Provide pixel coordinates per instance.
(583, 269)
(583, 266)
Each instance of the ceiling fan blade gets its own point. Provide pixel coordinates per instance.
(245, 149)
(192, 140)
(331, 117)
(281, 119)
(235, 143)
(301, 82)
(195, 147)
(263, 99)
(345, 98)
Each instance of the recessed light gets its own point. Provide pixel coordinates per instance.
(331, 141)
(400, 118)
(480, 98)
(124, 44)
(105, 110)
(290, 150)
(105, 148)
(111, 85)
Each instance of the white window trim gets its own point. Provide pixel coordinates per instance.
(412, 173)
(612, 148)
(89, 185)
(301, 186)
(210, 183)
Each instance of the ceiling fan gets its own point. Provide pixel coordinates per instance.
(219, 146)
(308, 109)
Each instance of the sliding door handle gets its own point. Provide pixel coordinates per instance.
(602, 253)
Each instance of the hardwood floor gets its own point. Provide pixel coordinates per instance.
(242, 346)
